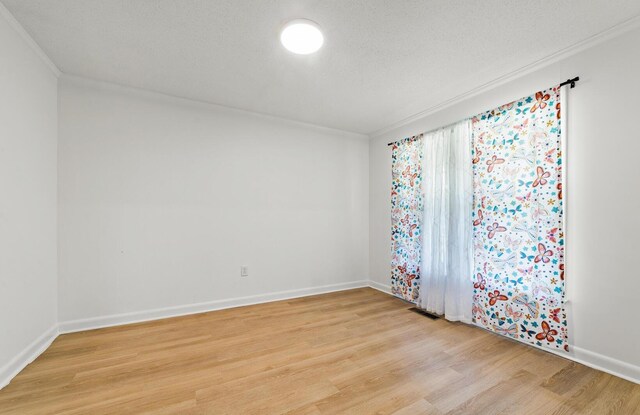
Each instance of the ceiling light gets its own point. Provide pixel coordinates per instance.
(301, 36)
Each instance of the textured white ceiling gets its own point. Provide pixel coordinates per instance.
(383, 60)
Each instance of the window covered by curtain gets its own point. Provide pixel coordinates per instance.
(406, 217)
(446, 286)
(518, 210)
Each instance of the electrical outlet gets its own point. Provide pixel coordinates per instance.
(244, 271)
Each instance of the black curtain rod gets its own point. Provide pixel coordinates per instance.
(571, 82)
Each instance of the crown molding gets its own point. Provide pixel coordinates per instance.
(4, 12)
(587, 43)
(112, 86)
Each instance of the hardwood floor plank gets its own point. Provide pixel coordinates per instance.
(351, 352)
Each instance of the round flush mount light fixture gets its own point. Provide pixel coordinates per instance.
(301, 36)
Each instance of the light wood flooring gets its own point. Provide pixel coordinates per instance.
(351, 352)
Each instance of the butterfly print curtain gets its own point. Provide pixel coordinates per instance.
(517, 227)
(406, 217)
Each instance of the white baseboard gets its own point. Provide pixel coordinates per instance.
(10, 370)
(607, 364)
(28, 355)
(586, 357)
(594, 360)
(380, 287)
(156, 314)
(597, 361)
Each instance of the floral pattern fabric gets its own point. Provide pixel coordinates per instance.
(518, 226)
(406, 217)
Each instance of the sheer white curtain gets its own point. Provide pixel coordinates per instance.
(447, 260)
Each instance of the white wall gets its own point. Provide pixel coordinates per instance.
(28, 163)
(603, 190)
(161, 201)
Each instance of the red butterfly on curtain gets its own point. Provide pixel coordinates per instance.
(493, 229)
(548, 156)
(542, 177)
(478, 221)
(493, 162)
(409, 279)
(543, 254)
(555, 315)
(547, 333)
(405, 222)
(540, 101)
(480, 283)
(476, 159)
(411, 176)
(495, 296)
